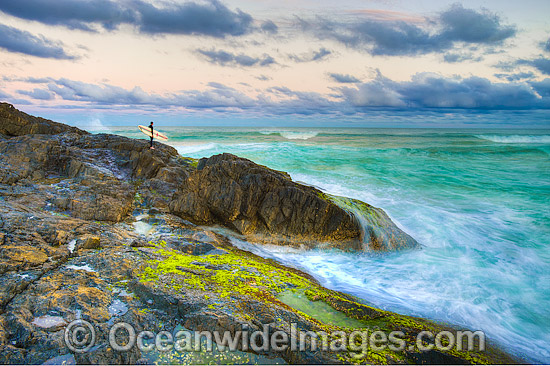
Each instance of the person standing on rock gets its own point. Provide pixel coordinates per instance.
(151, 127)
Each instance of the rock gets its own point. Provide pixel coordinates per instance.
(105, 355)
(266, 205)
(49, 322)
(61, 237)
(66, 359)
(89, 242)
(379, 231)
(139, 243)
(12, 355)
(254, 200)
(17, 123)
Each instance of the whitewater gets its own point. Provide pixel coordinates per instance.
(477, 200)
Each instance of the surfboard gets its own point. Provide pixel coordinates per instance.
(157, 135)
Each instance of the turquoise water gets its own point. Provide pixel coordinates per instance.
(478, 201)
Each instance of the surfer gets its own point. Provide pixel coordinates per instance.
(151, 127)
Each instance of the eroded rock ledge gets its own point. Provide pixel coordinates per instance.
(261, 203)
(267, 206)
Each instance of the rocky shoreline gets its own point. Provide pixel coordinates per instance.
(100, 228)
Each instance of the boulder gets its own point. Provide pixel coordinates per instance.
(266, 205)
(16, 123)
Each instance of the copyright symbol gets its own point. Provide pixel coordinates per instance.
(79, 336)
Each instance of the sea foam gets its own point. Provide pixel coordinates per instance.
(517, 139)
(292, 135)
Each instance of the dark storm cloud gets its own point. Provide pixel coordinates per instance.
(319, 55)
(15, 40)
(225, 58)
(434, 91)
(211, 18)
(399, 37)
(343, 78)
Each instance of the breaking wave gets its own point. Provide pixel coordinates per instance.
(517, 139)
(292, 135)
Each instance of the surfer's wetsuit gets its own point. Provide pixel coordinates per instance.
(151, 127)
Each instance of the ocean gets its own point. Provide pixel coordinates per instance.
(477, 200)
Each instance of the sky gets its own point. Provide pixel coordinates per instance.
(353, 63)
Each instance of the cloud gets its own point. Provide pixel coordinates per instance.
(40, 94)
(546, 46)
(542, 87)
(427, 90)
(297, 102)
(424, 92)
(269, 27)
(319, 55)
(4, 95)
(470, 26)
(263, 77)
(225, 58)
(454, 57)
(69, 13)
(516, 77)
(217, 96)
(343, 78)
(401, 37)
(15, 40)
(210, 18)
(213, 19)
(542, 64)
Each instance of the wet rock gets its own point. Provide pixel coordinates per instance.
(12, 355)
(89, 242)
(105, 355)
(139, 243)
(66, 359)
(379, 231)
(256, 200)
(49, 322)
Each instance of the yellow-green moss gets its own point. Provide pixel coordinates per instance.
(240, 275)
(234, 274)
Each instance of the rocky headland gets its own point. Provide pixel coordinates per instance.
(99, 227)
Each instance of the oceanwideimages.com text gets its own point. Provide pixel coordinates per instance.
(81, 336)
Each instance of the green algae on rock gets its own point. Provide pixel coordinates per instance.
(247, 286)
